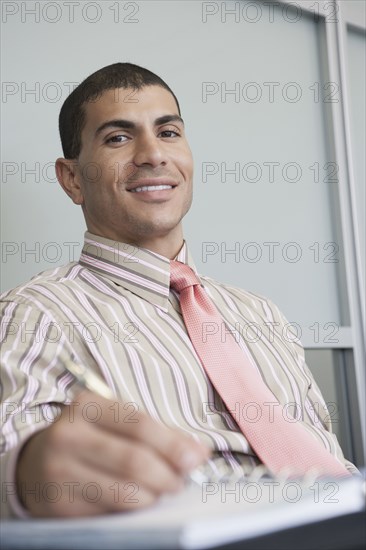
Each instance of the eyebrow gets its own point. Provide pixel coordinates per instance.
(129, 125)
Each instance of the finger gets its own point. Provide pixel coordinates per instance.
(107, 493)
(180, 450)
(123, 457)
(85, 491)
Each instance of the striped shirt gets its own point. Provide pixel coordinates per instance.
(114, 311)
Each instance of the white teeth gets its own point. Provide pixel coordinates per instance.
(151, 188)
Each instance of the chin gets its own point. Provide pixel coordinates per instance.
(162, 224)
(159, 230)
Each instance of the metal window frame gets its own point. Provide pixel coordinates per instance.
(352, 337)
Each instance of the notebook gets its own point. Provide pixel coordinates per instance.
(202, 516)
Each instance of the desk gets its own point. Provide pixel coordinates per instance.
(344, 533)
(333, 519)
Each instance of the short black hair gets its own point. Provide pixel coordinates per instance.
(118, 75)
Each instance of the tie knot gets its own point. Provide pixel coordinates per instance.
(182, 276)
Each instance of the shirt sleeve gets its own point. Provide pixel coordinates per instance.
(34, 384)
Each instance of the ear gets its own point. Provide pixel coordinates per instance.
(67, 173)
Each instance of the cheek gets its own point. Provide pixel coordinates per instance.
(187, 164)
(99, 176)
(119, 171)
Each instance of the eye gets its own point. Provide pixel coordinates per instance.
(116, 139)
(176, 134)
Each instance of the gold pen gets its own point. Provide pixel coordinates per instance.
(89, 380)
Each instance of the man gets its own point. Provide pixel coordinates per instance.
(128, 165)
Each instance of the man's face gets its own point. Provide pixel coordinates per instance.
(133, 142)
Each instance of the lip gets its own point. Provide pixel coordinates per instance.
(151, 182)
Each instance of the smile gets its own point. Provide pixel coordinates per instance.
(151, 188)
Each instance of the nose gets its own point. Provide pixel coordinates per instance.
(149, 150)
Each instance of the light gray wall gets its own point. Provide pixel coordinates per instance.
(284, 231)
(188, 47)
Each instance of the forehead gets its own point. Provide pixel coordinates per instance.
(136, 105)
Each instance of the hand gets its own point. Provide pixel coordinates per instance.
(99, 457)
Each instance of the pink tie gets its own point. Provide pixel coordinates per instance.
(281, 444)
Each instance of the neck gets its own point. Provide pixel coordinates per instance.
(165, 245)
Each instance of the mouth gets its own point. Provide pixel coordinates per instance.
(150, 188)
(152, 185)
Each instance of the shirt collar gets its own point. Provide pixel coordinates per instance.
(139, 270)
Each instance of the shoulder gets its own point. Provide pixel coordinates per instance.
(258, 302)
(257, 310)
(42, 285)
